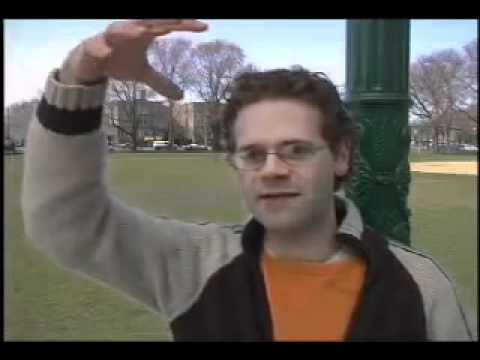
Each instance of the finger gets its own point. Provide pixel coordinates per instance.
(162, 84)
(127, 29)
(126, 33)
(97, 47)
(147, 30)
(158, 22)
(160, 26)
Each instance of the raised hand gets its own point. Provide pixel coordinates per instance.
(121, 53)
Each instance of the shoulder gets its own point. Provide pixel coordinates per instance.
(446, 319)
(429, 275)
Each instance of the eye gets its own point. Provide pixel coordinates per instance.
(252, 155)
(298, 150)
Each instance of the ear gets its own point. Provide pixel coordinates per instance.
(342, 158)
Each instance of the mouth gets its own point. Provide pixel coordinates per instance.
(278, 195)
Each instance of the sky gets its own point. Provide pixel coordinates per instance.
(32, 48)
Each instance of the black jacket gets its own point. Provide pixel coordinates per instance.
(234, 303)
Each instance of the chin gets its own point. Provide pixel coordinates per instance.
(279, 222)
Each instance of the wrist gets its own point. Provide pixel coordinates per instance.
(79, 69)
(65, 77)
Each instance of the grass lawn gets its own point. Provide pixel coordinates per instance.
(444, 224)
(45, 302)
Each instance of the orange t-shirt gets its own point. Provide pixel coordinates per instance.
(313, 301)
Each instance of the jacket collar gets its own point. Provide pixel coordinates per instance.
(382, 314)
(349, 226)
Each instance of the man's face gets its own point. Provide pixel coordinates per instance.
(279, 195)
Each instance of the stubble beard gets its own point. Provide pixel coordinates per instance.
(291, 219)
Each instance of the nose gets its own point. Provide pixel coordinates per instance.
(274, 166)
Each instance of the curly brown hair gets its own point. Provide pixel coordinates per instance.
(314, 89)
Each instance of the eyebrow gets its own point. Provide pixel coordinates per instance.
(281, 143)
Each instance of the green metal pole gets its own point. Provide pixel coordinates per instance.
(377, 94)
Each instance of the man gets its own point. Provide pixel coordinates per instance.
(303, 268)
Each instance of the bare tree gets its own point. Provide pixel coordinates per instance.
(468, 101)
(127, 97)
(17, 117)
(172, 58)
(436, 88)
(216, 64)
(467, 130)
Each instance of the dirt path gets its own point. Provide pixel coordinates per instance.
(446, 167)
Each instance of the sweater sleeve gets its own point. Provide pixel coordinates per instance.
(445, 316)
(70, 215)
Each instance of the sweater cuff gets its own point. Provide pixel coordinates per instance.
(71, 109)
(68, 122)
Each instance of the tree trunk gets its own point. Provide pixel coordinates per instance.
(171, 125)
(134, 144)
(216, 132)
(435, 139)
(216, 127)
(205, 128)
(133, 137)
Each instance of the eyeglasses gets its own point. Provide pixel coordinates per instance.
(295, 154)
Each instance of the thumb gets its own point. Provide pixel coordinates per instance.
(161, 84)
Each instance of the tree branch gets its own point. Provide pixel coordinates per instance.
(123, 130)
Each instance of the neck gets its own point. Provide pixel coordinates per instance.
(309, 243)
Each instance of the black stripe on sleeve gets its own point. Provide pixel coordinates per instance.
(68, 122)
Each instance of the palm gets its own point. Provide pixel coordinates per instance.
(127, 60)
